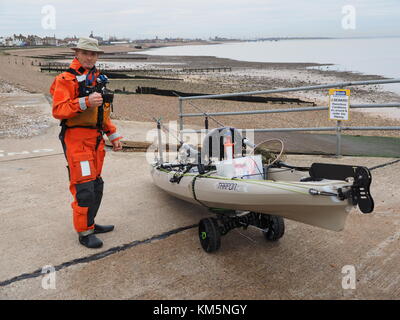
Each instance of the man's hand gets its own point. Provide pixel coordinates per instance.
(117, 145)
(95, 99)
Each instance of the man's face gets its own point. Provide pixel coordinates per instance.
(87, 58)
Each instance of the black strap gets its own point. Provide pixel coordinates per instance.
(194, 192)
(72, 71)
(99, 124)
(80, 71)
(61, 136)
(85, 127)
(98, 139)
(100, 116)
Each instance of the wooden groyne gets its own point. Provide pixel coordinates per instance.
(174, 93)
(58, 67)
(216, 69)
(109, 56)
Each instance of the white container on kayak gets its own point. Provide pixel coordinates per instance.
(249, 167)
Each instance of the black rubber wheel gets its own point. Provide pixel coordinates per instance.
(209, 235)
(274, 227)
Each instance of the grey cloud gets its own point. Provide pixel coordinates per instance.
(236, 18)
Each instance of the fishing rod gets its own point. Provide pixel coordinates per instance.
(185, 146)
(159, 123)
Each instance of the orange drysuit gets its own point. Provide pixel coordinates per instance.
(82, 142)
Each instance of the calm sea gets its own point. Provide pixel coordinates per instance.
(376, 56)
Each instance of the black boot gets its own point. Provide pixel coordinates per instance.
(102, 229)
(90, 241)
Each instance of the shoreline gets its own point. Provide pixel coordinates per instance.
(258, 76)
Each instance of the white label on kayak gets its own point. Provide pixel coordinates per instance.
(85, 168)
(228, 186)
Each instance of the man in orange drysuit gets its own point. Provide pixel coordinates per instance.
(85, 117)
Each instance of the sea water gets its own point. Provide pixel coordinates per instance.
(372, 56)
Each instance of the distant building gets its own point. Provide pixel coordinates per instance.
(119, 42)
(71, 41)
(62, 42)
(19, 40)
(33, 40)
(99, 39)
(50, 41)
(9, 42)
(216, 38)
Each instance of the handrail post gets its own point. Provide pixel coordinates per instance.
(338, 139)
(180, 119)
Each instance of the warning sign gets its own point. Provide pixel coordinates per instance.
(339, 104)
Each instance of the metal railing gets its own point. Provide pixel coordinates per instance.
(338, 128)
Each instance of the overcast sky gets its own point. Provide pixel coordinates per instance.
(138, 19)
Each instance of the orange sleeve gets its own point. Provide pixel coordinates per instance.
(111, 131)
(66, 104)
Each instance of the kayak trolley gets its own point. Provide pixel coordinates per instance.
(211, 229)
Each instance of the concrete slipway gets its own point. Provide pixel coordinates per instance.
(154, 252)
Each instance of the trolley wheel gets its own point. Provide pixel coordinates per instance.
(274, 227)
(209, 234)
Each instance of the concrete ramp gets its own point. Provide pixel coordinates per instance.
(154, 251)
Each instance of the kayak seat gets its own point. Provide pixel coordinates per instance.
(331, 171)
(213, 144)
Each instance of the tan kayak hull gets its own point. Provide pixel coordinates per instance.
(289, 199)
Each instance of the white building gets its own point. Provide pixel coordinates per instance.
(33, 40)
(71, 41)
(19, 40)
(50, 41)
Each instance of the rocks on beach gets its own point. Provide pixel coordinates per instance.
(22, 114)
(9, 88)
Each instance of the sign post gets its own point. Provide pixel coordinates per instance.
(339, 106)
(338, 139)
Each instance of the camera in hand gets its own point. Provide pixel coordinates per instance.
(107, 95)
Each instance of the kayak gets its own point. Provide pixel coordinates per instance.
(316, 203)
(250, 190)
